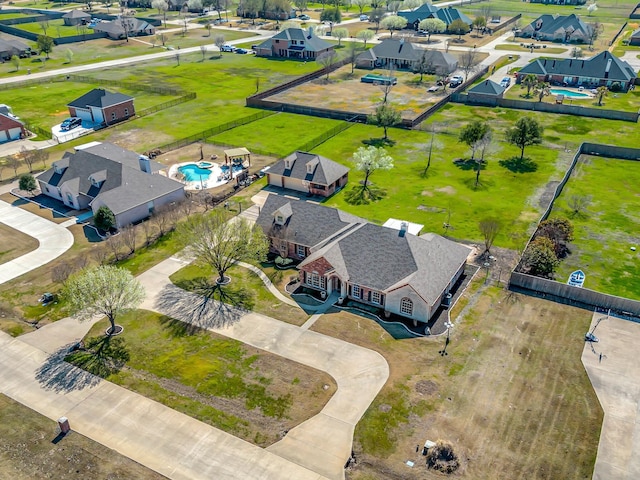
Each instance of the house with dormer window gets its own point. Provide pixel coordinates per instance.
(132, 186)
(393, 270)
(308, 173)
(294, 43)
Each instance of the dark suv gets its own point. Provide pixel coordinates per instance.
(70, 124)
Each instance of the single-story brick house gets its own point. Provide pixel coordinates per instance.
(402, 54)
(11, 128)
(604, 69)
(98, 174)
(557, 28)
(102, 107)
(10, 47)
(115, 29)
(393, 270)
(308, 173)
(76, 17)
(294, 43)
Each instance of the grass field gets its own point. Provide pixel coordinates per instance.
(27, 451)
(53, 28)
(248, 392)
(46, 105)
(246, 285)
(14, 244)
(281, 133)
(511, 394)
(607, 228)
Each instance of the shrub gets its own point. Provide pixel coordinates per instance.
(283, 262)
(615, 87)
(441, 457)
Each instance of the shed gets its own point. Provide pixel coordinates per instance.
(76, 17)
(238, 156)
(487, 92)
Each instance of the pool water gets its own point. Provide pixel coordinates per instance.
(568, 93)
(193, 173)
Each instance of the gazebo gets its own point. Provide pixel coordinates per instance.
(237, 156)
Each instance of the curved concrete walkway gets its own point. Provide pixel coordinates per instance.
(269, 284)
(54, 241)
(323, 443)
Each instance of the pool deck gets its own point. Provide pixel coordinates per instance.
(213, 167)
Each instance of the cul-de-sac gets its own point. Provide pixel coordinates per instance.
(319, 239)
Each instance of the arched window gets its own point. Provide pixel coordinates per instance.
(406, 306)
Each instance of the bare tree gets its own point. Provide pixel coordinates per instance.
(128, 235)
(115, 242)
(468, 61)
(100, 254)
(489, 228)
(44, 25)
(219, 41)
(27, 158)
(162, 219)
(148, 228)
(579, 203)
(14, 161)
(433, 143)
(327, 60)
(353, 50)
(203, 51)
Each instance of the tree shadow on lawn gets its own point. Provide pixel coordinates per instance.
(200, 304)
(363, 195)
(379, 142)
(519, 165)
(468, 164)
(66, 370)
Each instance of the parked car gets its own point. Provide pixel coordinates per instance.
(456, 81)
(364, 18)
(228, 48)
(435, 88)
(505, 82)
(304, 17)
(70, 124)
(422, 33)
(241, 50)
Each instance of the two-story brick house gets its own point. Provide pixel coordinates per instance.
(294, 43)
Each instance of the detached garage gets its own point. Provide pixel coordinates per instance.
(11, 129)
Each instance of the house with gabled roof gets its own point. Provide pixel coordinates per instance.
(485, 92)
(393, 270)
(308, 173)
(557, 28)
(11, 128)
(634, 39)
(115, 29)
(11, 47)
(294, 43)
(426, 10)
(604, 69)
(402, 54)
(76, 17)
(297, 228)
(100, 106)
(131, 185)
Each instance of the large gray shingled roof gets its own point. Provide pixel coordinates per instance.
(384, 259)
(99, 97)
(324, 172)
(307, 224)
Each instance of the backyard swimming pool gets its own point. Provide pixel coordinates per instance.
(193, 173)
(568, 93)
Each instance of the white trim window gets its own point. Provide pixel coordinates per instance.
(301, 251)
(406, 306)
(316, 280)
(376, 297)
(355, 291)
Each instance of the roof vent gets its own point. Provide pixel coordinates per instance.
(403, 229)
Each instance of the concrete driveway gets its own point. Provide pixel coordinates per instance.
(614, 371)
(324, 442)
(54, 241)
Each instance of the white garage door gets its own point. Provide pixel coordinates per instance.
(3, 136)
(14, 133)
(294, 184)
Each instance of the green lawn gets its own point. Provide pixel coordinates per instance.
(222, 84)
(517, 48)
(246, 289)
(45, 105)
(280, 134)
(606, 230)
(242, 390)
(54, 29)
